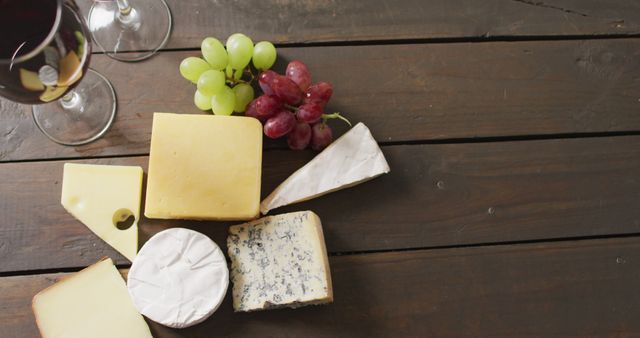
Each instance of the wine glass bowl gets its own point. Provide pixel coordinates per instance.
(44, 59)
(45, 52)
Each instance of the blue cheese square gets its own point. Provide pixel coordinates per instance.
(279, 261)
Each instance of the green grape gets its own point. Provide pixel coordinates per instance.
(244, 95)
(264, 55)
(214, 52)
(211, 82)
(240, 50)
(229, 71)
(237, 75)
(203, 102)
(223, 102)
(192, 67)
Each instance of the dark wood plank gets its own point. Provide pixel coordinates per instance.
(330, 21)
(402, 92)
(435, 195)
(564, 289)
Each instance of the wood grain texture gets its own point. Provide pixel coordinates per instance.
(286, 21)
(563, 289)
(402, 92)
(435, 195)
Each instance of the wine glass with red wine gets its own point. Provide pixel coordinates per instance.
(44, 57)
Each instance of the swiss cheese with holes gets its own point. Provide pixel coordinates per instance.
(101, 196)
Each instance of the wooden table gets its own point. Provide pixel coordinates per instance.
(512, 129)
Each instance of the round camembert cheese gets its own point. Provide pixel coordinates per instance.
(179, 278)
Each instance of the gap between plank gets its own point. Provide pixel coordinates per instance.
(368, 252)
(461, 140)
(486, 37)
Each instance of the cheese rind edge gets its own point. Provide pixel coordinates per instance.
(353, 158)
(279, 261)
(97, 290)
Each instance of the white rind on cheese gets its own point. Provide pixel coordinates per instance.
(279, 261)
(353, 158)
(179, 278)
(97, 195)
(90, 303)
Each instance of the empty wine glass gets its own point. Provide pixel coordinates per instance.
(44, 59)
(130, 31)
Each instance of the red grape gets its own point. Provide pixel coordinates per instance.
(300, 136)
(268, 105)
(299, 73)
(280, 124)
(287, 90)
(319, 93)
(309, 113)
(321, 136)
(265, 79)
(251, 111)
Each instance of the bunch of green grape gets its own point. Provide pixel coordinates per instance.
(219, 77)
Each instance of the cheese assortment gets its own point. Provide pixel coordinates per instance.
(204, 167)
(100, 196)
(179, 278)
(279, 261)
(91, 303)
(353, 158)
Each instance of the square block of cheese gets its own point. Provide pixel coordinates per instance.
(204, 167)
(279, 261)
(91, 303)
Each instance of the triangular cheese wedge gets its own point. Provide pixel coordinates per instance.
(100, 196)
(92, 303)
(351, 159)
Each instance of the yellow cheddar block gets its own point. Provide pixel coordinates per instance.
(204, 167)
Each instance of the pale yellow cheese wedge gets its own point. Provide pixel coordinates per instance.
(100, 196)
(91, 303)
(204, 167)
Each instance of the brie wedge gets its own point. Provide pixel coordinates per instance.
(353, 158)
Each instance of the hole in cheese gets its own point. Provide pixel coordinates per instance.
(123, 219)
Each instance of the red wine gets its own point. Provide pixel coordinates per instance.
(44, 50)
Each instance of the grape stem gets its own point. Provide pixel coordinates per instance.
(335, 115)
(233, 82)
(248, 70)
(290, 107)
(325, 117)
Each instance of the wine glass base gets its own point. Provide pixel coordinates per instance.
(82, 116)
(132, 37)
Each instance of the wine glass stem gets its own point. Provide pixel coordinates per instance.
(127, 16)
(71, 100)
(124, 7)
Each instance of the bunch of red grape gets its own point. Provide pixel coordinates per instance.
(291, 106)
